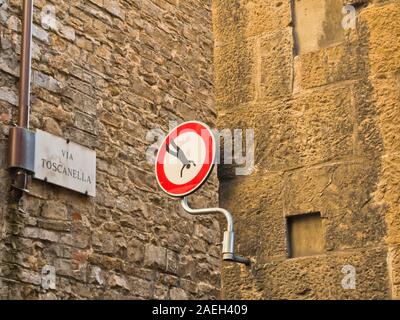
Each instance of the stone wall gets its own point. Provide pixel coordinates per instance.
(325, 105)
(104, 73)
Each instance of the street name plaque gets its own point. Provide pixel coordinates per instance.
(65, 163)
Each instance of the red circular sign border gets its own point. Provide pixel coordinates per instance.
(193, 185)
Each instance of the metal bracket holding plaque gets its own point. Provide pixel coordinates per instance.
(184, 162)
(53, 159)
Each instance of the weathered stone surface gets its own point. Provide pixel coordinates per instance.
(276, 65)
(257, 206)
(8, 96)
(55, 210)
(312, 278)
(247, 18)
(349, 222)
(104, 74)
(155, 257)
(384, 53)
(118, 282)
(178, 294)
(329, 65)
(234, 73)
(323, 102)
(312, 128)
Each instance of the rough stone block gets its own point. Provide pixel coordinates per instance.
(344, 195)
(233, 19)
(257, 206)
(178, 294)
(329, 65)
(387, 196)
(234, 73)
(55, 210)
(276, 70)
(386, 99)
(384, 52)
(315, 127)
(155, 257)
(315, 278)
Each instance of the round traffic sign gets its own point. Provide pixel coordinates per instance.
(185, 159)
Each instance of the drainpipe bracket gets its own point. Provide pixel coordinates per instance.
(21, 149)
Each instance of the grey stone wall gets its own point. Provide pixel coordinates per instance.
(104, 73)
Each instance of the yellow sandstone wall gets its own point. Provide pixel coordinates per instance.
(324, 102)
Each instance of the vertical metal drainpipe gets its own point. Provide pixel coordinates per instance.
(21, 140)
(26, 63)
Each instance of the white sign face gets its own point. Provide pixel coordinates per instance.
(64, 163)
(194, 148)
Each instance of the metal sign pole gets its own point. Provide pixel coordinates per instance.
(228, 253)
(182, 178)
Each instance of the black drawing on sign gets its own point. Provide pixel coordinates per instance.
(178, 153)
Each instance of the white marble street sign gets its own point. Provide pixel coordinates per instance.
(65, 163)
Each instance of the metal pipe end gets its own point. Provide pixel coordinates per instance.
(238, 259)
(228, 243)
(228, 256)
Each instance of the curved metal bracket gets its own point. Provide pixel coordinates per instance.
(228, 244)
(21, 149)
